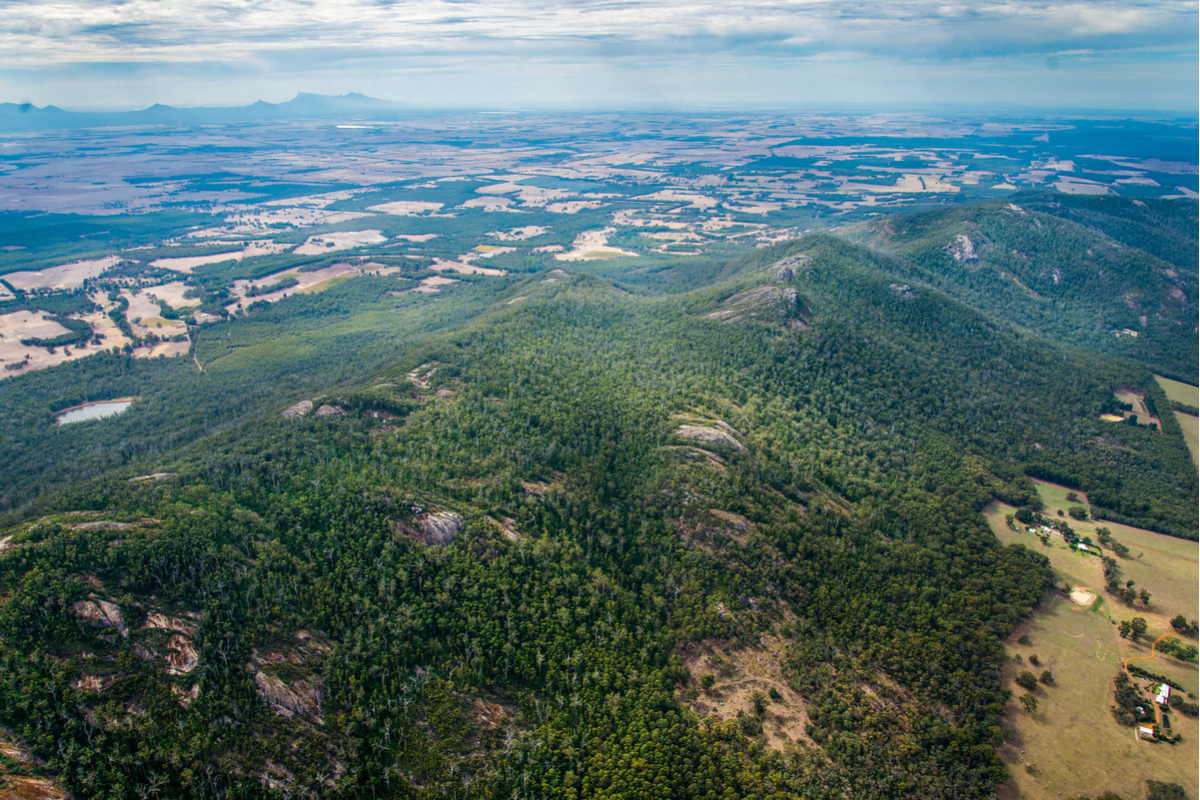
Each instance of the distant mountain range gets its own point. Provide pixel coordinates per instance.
(18, 117)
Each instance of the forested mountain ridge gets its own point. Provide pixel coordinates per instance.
(479, 573)
(1116, 275)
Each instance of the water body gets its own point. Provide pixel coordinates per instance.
(98, 410)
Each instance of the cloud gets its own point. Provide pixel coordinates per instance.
(183, 30)
(323, 37)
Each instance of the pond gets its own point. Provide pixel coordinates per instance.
(97, 410)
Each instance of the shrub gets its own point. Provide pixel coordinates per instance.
(1027, 680)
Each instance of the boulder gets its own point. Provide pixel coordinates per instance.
(331, 411)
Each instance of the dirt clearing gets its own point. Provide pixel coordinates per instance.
(739, 677)
(591, 245)
(339, 240)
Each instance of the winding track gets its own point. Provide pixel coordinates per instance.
(1153, 646)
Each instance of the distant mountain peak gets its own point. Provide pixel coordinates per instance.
(26, 116)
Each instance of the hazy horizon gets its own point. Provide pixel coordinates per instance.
(658, 54)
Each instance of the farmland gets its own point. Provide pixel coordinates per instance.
(1187, 395)
(1072, 741)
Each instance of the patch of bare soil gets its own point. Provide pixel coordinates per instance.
(1081, 596)
(739, 678)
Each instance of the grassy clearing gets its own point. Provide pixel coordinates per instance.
(317, 288)
(1179, 392)
(1188, 395)
(1072, 740)
(1191, 433)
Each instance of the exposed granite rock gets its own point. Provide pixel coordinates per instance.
(302, 698)
(154, 476)
(94, 683)
(786, 269)
(101, 614)
(298, 410)
(331, 411)
(439, 527)
(163, 622)
(962, 249)
(710, 435)
(185, 698)
(100, 525)
(753, 302)
(182, 658)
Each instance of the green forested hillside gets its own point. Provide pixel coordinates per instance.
(1113, 274)
(480, 573)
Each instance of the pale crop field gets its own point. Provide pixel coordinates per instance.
(1188, 395)
(68, 276)
(1191, 433)
(1179, 392)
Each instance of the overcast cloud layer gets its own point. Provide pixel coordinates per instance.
(602, 52)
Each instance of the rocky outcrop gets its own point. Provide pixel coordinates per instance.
(422, 375)
(154, 476)
(787, 269)
(709, 435)
(301, 409)
(508, 529)
(101, 614)
(185, 697)
(331, 411)
(165, 623)
(94, 683)
(439, 527)
(100, 525)
(182, 658)
(303, 698)
(753, 303)
(736, 521)
(962, 249)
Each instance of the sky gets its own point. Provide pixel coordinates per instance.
(585, 54)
